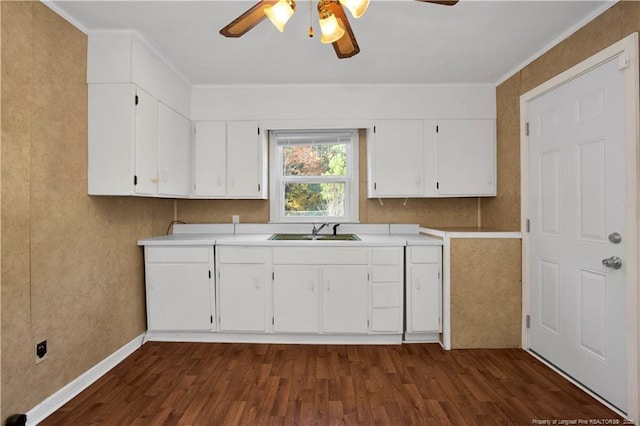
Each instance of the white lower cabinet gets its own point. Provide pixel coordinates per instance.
(386, 290)
(241, 288)
(179, 288)
(295, 298)
(344, 299)
(424, 290)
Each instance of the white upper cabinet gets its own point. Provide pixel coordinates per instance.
(431, 158)
(396, 158)
(174, 151)
(210, 159)
(229, 160)
(137, 145)
(466, 157)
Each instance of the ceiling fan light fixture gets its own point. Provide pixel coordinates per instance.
(331, 30)
(356, 7)
(280, 13)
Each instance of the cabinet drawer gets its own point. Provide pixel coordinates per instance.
(320, 256)
(386, 320)
(386, 274)
(386, 295)
(182, 254)
(242, 254)
(425, 254)
(386, 256)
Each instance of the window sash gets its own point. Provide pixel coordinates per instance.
(281, 139)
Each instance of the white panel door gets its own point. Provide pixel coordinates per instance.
(241, 297)
(210, 159)
(397, 159)
(466, 157)
(345, 299)
(244, 167)
(174, 153)
(178, 296)
(146, 142)
(295, 299)
(576, 204)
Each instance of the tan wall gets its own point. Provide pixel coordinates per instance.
(503, 211)
(486, 293)
(71, 271)
(432, 212)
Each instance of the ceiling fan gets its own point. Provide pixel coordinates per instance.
(334, 24)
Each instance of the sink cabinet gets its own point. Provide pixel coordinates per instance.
(179, 288)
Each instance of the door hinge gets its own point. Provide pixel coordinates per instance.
(528, 226)
(528, 321)
(137, 100)
(135, 180)
(526, 128)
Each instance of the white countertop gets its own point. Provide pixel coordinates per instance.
(186, 237)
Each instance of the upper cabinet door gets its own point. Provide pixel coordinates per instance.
(210, 159)
(174, 153)
(466, 157)
(146, 143)
(244, 160)
(396, 159)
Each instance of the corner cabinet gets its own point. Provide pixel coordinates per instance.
(229, 160)
(179, 288)
(431, 158)
(137, 144)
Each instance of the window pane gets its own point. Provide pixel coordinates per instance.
(314, 199)
(314, 160)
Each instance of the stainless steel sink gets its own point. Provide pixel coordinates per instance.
(309, 237)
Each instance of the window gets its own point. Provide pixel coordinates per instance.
(314, 176)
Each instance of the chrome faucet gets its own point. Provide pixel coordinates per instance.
(315, 231)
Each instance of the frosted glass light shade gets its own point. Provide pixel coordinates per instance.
(280, 13)
(356, 7)
(331, 30)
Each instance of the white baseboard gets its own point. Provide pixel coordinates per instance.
(274, 338)
(68, 392)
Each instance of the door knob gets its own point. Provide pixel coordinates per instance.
(612, 262)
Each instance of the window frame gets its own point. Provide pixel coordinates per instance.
(277, 180)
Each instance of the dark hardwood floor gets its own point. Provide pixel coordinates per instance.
(411, 384)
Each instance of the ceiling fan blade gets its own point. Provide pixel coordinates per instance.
(441, 2)
(346, 46)
(247, 20)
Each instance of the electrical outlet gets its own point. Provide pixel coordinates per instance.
(41, 351)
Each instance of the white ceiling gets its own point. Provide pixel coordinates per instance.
(401, 41)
